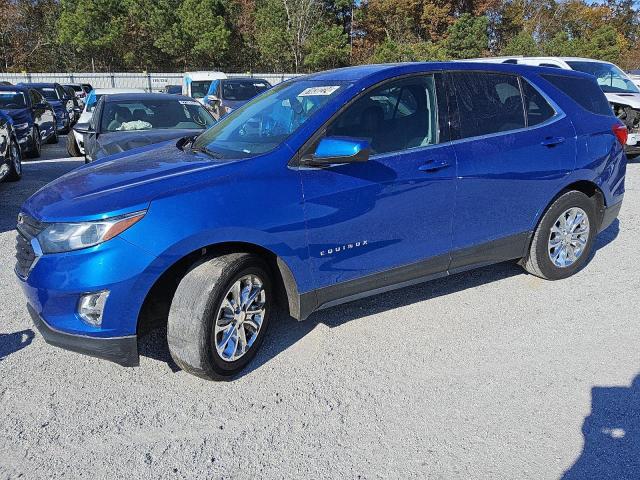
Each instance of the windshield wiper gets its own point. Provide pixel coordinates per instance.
(207, 151)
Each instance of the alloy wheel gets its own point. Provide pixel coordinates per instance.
(239, 318)
(16, 158)
(569, 237)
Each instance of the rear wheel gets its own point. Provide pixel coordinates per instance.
(219, 315)
(15, 172)
(563, 241)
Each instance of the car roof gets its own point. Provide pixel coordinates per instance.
(110, 91)
(205, 75)
(118, 97)
(13, 88)
(248, 79)
(373, 73)
(39, 84)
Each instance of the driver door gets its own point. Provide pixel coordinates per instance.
(42, 117)
(388, 220)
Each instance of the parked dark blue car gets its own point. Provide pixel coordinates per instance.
(10, 159)
(325, 189)
(33, 117)
(60, 100)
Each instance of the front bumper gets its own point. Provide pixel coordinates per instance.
(121, 350)
(54, 283)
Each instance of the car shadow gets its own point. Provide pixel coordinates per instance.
(12, 342)
(285, 331)
(611, 436)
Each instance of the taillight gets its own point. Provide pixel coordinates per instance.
(621, 133)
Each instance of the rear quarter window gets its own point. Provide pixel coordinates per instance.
(585, 92)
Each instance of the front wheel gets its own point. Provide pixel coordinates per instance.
(15, 172)
(563, 241)
(219, 315)
(36, 143)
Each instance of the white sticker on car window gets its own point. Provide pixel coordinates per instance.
(319, 91)
(188, 102)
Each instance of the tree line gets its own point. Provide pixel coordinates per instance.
(304, 35)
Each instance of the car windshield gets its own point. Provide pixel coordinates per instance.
(200, 88)
(610, 78)
(48, 92)
(13, 99)
(268, 120)
(240, 90)
(155, 114)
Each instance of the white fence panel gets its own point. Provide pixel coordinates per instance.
(149, 81)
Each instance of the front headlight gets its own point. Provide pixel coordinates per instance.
(65, 237)
(69, 106)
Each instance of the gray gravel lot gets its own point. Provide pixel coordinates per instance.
(487, 374)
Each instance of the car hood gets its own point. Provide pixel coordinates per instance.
(116, 142)
(19, 115)
(630, 99)
(124, 184)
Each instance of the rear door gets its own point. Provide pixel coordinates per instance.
(513, 147)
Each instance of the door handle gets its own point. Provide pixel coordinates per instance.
(552, 141)
(433, 165)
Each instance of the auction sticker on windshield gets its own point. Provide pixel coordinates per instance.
(189, 102)
(316, 91)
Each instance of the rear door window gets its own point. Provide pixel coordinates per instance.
(487, 103)
(537, 108)
(583, 91)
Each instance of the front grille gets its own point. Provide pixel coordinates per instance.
(28, 228)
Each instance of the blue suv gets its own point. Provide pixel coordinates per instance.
(322, 190)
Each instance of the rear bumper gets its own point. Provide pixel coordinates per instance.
(121, 350)
(609, 215)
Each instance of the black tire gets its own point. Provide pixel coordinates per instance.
(194, 310)
(36, 143)
(15, 172)
(54, 137)
(538, 262)
(72, 146)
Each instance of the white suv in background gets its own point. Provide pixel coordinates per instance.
(75, 146)
(621, 91)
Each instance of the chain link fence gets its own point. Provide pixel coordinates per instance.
(152, 82)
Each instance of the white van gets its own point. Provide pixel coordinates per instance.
(196, 84)
(621, 91)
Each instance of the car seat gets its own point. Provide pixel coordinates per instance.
(120, 115)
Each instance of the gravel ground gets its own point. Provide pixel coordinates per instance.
(486, 374)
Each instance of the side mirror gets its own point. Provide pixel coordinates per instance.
(82, 128)
(337, 150)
